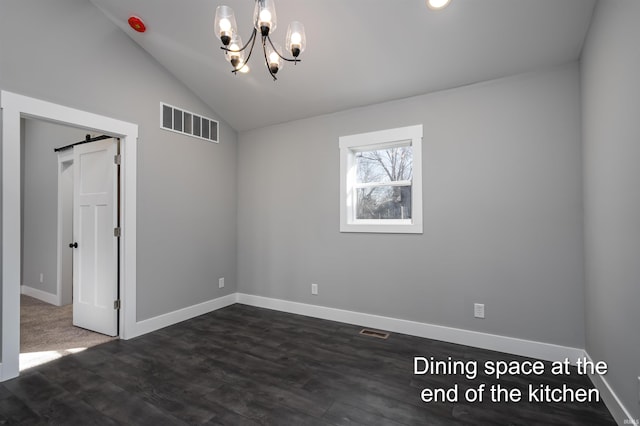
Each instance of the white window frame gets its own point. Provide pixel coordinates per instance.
(349, 146)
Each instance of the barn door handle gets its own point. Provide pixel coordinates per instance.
(73, 245)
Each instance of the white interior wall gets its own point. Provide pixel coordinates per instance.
(611, 137)
(40, 189)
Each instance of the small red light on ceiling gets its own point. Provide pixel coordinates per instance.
(137, 24)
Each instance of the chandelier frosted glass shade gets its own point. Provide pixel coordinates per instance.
(264, 23)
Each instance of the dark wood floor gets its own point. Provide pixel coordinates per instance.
(243, 365)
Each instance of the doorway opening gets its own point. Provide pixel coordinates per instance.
(15, 107)
(47, 333)
(53, 322)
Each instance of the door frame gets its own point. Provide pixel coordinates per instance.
(64, 157)
(14, 107)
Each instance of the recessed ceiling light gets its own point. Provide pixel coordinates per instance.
(437, 4)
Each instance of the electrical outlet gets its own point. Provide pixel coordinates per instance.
(221, 282)
(314, 288)
(478, 310)
(41, 277)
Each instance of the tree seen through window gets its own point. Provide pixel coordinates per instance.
(383, 183)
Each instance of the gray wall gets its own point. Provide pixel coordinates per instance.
(611, 133)
(72, 55)
(40, 192)
(502, 212)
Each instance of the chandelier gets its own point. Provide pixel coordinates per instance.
(264, 23)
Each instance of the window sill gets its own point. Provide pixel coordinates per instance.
(382, 228)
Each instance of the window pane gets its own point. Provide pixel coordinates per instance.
(384, 165)
(384, 202)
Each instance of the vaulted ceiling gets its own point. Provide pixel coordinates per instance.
(359, 52)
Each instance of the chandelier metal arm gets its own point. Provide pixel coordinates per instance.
(266, 60)
(251, 41)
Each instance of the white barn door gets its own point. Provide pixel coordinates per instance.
(95, 252)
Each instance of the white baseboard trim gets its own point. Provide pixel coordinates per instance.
(511, 345)
(611, 400)
(171, 318)
(40, 295)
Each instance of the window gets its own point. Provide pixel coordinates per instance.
(381, 181)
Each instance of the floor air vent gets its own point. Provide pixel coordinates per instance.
(185, 122)
(374, 333)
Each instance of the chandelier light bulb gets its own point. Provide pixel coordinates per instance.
(296, 38)
(437, 4)
(265, 16)
(243, 67)
(225, 25)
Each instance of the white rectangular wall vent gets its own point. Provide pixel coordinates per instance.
(187, 123)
